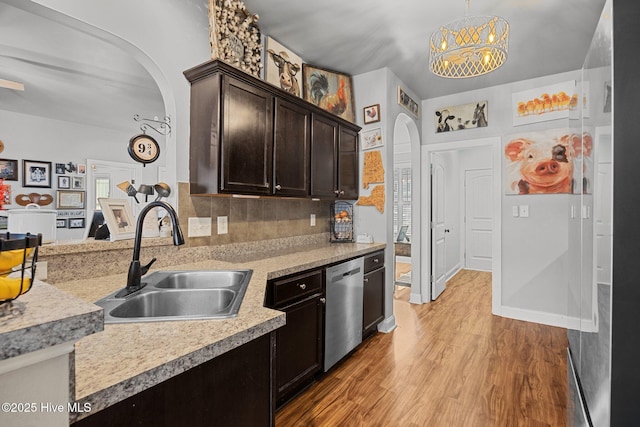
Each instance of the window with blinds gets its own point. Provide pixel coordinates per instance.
(401, 200)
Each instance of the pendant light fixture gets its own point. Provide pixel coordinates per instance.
(469, 47)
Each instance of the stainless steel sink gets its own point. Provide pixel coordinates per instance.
(180, 295)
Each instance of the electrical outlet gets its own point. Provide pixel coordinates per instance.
(524, 211)
(223, 225)
(199, 226)
(514, 211)
(313, 220)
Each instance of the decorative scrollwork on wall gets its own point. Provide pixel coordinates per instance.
(234, 35)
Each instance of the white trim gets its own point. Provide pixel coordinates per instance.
(28, 359)
(387, 325)
(495, 144)
(545, 318)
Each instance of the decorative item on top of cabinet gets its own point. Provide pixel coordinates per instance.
(330, 90)
(234, 35)
(341, 217)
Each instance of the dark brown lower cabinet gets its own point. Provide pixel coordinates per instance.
(298, 347)
(373, 300)
(234, 389)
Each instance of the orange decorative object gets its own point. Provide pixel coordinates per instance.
(38, 199)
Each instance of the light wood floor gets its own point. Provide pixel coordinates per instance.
(449, 363)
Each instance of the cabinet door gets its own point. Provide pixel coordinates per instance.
(291, 149)
(348, 164)
(373, 307)
(298, 347)
(324, 159)
(247, 136)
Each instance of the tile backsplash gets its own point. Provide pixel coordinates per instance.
(251, 219)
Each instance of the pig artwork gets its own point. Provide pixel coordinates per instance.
(545, 162)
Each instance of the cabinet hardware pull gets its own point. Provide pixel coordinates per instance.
(302, 286)
(323, 300)
(376, 260)
(337, 192)
(342, 192)
(278, 187)
(366, 280)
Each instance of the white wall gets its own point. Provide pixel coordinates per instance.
(535, 258)
(41, 139)
(173, 35)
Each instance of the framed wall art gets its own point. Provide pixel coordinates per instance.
(466, 116)
(407, 102)
(371, 114)
(36, 174)
(77, 182)
(330, 90)
(282, 67)
(371, 139)
(119, 218)
(76, 222)
(9, 169)
(546, 103)
(64, 182)
(70, 199)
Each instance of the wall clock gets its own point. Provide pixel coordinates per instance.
(144, 149)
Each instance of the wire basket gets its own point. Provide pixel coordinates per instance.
(18, 259)
(341, 215)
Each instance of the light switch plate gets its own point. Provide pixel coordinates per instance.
(223, 225)
(199, 226)
(514, 211)
(524, 211)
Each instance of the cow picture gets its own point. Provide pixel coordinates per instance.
(459, 117)
(282, 67)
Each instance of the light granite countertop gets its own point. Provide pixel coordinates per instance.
(44, 317)
(126, 359)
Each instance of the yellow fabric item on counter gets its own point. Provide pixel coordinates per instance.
(9, 259)
(10, 287)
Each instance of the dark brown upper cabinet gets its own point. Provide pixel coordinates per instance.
(246, 151)
(291, 150)
(249, 137)
(334, 159)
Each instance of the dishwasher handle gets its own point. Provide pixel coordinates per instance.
(341, 275)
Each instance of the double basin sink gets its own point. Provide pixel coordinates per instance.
(180, 295)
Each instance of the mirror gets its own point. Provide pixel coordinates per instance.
(81, 92)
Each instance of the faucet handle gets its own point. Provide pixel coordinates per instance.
(145, 268)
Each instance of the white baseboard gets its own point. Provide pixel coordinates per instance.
(388, 324)
(544, 318)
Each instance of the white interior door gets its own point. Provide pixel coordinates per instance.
(478, 219)
(438, 228)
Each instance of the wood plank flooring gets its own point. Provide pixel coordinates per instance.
(449, 363)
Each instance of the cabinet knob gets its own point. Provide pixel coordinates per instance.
(302, 286)
(366, 280)
(323, 300)
(337, 192)
(341, 192)
(376, 260)
(278, 187)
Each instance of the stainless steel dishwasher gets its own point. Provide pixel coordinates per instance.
(343, 315)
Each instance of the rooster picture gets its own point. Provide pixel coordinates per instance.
(334, 98)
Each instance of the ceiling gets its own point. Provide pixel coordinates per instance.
(73, 73)
(70, 72)
(357, 36)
